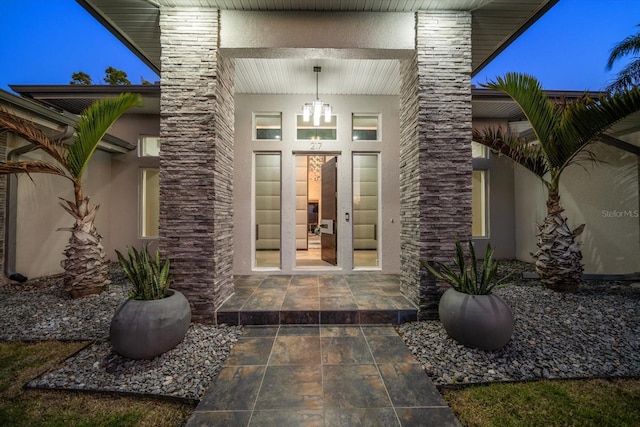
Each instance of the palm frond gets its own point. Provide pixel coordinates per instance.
(30, 132)
(627, 78)
(585, 119)
(527, 92)
(504, 142)
(31, 166)
(628, 46)
(92, 127)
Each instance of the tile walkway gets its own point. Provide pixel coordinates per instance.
(322, 375)
(359, 298)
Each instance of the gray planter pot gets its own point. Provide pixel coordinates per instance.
(480, 321)
(146, 329)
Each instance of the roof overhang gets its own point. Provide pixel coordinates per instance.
(49, 118)
(487, 105)
(76, 98)
(495, 106)
(495, 24)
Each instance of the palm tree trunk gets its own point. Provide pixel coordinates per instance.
(85, 267)
(558, 258)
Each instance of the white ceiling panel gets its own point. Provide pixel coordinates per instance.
(338, 77)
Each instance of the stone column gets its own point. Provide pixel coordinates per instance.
(435, 150)
(196, 158)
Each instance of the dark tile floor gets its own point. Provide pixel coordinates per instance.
(322, 375)
(360, 298)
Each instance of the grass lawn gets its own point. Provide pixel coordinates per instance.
(549, 403)
(543, 403)
(20, 362)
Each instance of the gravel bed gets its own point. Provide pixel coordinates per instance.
(592, 333)
(184, 372)
(41, 310)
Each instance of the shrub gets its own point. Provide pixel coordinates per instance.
(466, 279)
(148, 275)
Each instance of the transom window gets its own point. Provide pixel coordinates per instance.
(149, 146)
(327, 131)
(268, 126)
(479, 151)
(365, 127)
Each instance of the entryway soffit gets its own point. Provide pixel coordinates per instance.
(495, 24)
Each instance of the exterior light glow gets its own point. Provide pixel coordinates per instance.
(317, 108)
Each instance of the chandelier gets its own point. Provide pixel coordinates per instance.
(317, 108)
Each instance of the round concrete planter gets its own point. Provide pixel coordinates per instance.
(146, 329)
(480, 321)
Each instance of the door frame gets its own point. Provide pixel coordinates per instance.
(343, 205)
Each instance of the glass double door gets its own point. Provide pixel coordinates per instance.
(335, 224)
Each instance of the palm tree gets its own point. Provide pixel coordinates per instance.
(629, 76)
(85, 269)
(563, 130)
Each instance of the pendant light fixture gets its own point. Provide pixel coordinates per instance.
(317, 108)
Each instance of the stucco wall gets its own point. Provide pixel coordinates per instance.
(110, 180)
(343, 107)
(39, 245)
(124, 211)
(500, 202)
(375, 32)
(602, 196)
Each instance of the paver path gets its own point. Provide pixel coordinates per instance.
(322, 375)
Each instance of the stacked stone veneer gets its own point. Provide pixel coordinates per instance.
(196, 158)
(435, 150)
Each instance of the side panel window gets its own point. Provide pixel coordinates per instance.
(365, 210)
(479, 203)
(267, 210)
(150, 202)
(149, 185)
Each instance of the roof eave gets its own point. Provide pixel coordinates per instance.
(109, 143)
(130, 44)
(514, 36)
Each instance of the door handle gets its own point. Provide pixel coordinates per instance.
(346, 216)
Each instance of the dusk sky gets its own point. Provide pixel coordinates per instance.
(45, 41)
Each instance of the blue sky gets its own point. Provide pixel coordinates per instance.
(45, 41)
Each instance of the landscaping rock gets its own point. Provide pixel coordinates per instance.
(592, 333)
(41, 310)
